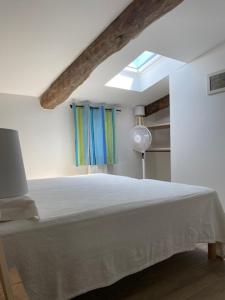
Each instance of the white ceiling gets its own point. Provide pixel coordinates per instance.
(40, 38)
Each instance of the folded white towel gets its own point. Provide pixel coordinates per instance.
(17, 208)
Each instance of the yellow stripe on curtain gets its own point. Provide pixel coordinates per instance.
(80, 135)
(109, 136)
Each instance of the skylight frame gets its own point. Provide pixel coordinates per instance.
(141, 59)
(152, 59)
(155, 59)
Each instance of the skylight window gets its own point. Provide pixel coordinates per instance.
(141, 60)
(144, 71)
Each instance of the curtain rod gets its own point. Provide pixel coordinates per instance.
(71, 106)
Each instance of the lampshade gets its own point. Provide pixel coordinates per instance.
(139, 111)
(12, 174)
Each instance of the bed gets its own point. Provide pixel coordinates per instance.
(96, 229)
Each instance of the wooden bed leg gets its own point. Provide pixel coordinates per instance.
(212, 251)
(4, 275)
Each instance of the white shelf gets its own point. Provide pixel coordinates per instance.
(159, 149)
(159, 126)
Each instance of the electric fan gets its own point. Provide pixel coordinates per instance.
(141, 138)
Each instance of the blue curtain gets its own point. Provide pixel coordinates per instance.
(94, 135)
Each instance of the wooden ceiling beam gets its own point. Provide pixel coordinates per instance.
(156, 106)
(132, 21)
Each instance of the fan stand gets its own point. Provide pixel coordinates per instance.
(140, 121)
(143, 165)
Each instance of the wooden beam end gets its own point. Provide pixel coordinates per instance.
(45, 104)
(48, 101)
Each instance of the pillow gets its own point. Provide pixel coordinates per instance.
(17, 208)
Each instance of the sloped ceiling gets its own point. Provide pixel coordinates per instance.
(39, 39)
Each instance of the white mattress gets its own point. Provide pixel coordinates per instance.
(96, 229)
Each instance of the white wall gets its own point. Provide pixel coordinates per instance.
(158, 70)
(47, 141)
(198, 124)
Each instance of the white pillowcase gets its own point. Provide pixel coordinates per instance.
(17, 208)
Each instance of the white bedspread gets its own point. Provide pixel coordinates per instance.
(96, 229)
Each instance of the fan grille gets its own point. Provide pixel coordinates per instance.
(140, 138)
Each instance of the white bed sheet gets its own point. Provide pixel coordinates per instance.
(96, 229)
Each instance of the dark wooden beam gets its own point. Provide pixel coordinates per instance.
(157, 105)
(132, 21)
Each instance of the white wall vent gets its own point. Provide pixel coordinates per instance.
(216, 82)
